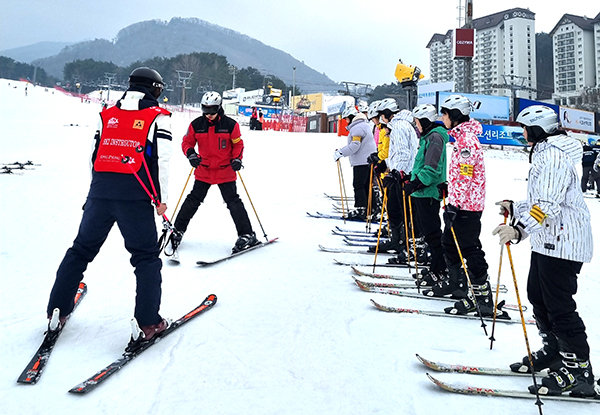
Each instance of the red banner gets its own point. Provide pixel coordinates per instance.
(464, 43)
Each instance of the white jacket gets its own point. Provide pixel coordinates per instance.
(404, 142)
(554, 187)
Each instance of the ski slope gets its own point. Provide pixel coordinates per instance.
(290, 334)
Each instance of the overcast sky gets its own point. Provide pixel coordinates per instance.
(348, 40)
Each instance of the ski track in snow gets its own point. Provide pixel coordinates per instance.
(291, 333)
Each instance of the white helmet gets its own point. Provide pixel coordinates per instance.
(457, 102)
(539, 115)
(388, 103)
(351, 110)
(362, 107)
(425, 111)
(372, 111)
(211, 98)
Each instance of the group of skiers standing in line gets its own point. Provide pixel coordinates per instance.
(410, 159)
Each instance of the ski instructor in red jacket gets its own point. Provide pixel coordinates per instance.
(219, 157)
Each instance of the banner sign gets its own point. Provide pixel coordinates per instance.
(523, 103)
(577, 119)
(427, 92)
(485, 107)
(464, 43)
(267, 112)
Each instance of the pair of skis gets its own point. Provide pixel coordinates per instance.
(492, 371)
(33, 371)
(174, 259)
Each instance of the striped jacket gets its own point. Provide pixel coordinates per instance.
(403, 142)
(555, 215)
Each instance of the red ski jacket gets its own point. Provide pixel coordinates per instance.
(218, 143)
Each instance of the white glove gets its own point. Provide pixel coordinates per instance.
(337, 154)
(507, 234)
(596, 167)
(505, 206)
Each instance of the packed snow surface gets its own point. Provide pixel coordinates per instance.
(290, 334)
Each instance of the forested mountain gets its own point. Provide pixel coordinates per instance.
(156, 38)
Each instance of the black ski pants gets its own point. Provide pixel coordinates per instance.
(135, 219)
(360, 183)
(551, 285)
(467, 227)
(427, 212)
(230, 197)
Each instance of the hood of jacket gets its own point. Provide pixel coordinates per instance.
(360, 117)
(403, 115)
(472, 126)
(565, 143)
(137, 98)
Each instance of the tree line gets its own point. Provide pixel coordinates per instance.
(209, 72)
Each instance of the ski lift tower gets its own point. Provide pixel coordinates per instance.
(110, 78)
(357, 90)
(184, 77)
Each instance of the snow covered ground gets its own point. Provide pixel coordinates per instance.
(291, 333)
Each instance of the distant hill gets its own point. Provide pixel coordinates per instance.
(145, 40)
(28, 54)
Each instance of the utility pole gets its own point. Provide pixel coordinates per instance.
(293, 86)
(232, 70)
(184, 77)
(468, 60)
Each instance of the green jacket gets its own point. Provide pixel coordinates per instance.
(430, 162)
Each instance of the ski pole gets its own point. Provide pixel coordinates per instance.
(370, 203)
(492, 339)
(462, 261)
(182, 191)
(538, 402)
(341, 191)
(380, 224)
(259, 222)
(344, 188)
(412, 227)
(406, 238)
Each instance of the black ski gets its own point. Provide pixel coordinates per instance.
(338, 217)
(34, 369)
(387, 265)
(101, 376)
(352, 251)
(225, 258)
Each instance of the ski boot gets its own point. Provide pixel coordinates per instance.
(55, 322)
(454, 286)
(430, 278)
(244, 242)
(174, 242)
(395, 242)
(358, 214)
(548, 357)
(141, 335)
(483, 300)
(574, 376)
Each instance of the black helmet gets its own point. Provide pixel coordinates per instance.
(151, 79)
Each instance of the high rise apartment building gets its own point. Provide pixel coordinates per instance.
(576, 54)
(504, 54)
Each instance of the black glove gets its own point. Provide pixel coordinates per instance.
(412, 186)
(193, 158)
(403, 177)
(389, 180)
(236, 164)
(449, 215)
(443, 190)
(380, 167)
(373, 159)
